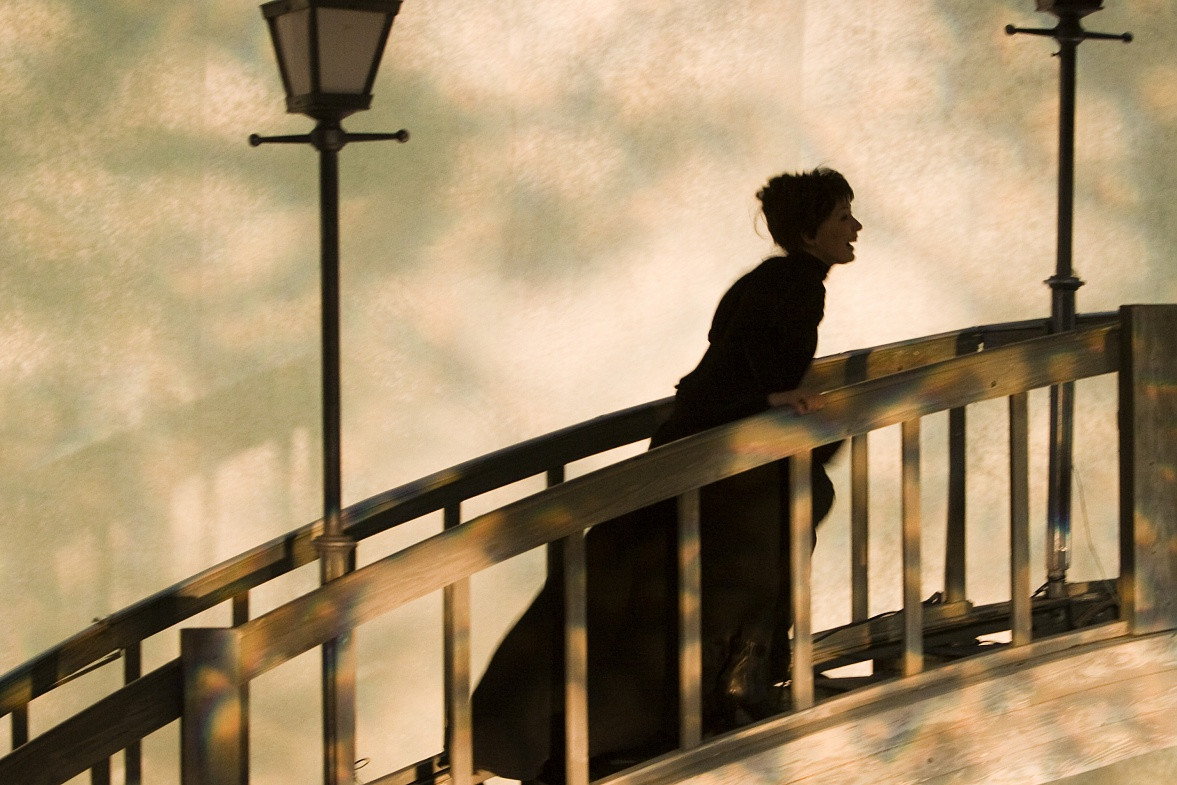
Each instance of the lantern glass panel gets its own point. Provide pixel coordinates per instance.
(292, 32)
(348, 44)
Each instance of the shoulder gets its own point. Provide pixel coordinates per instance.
(763, 279)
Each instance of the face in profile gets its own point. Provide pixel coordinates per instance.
(833, 241)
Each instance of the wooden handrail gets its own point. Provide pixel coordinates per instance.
(272, 559)
(70, 748)
(668, 471)
(572, 506)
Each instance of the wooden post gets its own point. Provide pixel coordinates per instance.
(210, 727)
(859, 527)
(456, 655)
(133, 754)
(1148, 466)
(100, 772)
(801, 566)
(575, 661)
(954, 556)
(690, 650)
(1019, 520)
(20, 726)
(240, 616)
(913, 609)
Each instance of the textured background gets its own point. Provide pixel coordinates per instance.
(549, 246)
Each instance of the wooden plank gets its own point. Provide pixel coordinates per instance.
(801, 569)
(690, 648)
(661, 474)
(859, 365)
(97, 732)
(996, 335)
(1148, 467)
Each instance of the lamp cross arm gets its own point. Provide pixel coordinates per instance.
(1125, 37)
(399, 136)
(1012, 30)
(255, 139)
(330, 137)
(1076, 36)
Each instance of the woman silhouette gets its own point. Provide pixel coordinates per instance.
(762, 340)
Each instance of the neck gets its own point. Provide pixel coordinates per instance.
(808, 252)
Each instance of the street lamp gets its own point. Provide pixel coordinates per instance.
(328, 53)
(1069, 33)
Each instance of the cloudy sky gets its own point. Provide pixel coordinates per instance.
(548, 247)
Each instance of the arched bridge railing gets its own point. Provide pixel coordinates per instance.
(895, 384)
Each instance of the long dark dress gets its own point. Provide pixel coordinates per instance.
(762, 339)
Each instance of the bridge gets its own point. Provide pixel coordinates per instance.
(1035, 689)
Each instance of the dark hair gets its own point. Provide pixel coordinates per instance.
(796, 204)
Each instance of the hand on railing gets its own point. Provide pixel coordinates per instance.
(800, 401)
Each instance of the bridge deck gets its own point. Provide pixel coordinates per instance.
(1038, 714)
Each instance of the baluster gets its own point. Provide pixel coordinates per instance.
(690, 657)
(954, 556)
(800, 562)
(1019, 520)
(133, 754)
(456, 654)
(100, 773)
(859, 528)
(555, 552)
(20, 726)
(913, 609)
(575, 661)
(555, 580)
(240, 616)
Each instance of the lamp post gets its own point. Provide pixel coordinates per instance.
(328, 53)
(1069, 33)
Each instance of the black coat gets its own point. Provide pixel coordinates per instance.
(762, 339)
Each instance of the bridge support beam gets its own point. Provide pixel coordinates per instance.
(1148, 466)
